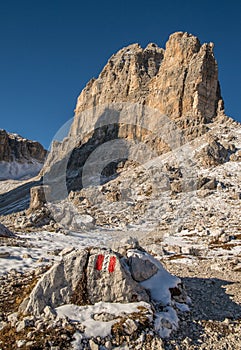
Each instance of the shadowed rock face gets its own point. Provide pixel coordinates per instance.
(19, 158)
(16, 148)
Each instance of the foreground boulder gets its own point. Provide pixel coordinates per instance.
(85, 277)
(111, 296)
(93, 275)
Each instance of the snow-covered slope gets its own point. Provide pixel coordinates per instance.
(15, 170)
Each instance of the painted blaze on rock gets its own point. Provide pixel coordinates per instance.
(105, 262)
(95, 274)
(108, 279)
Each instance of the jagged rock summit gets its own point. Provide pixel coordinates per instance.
(180, 81)
(151, 95)
(19, 157)
(157, 98)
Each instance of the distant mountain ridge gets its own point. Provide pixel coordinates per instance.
(19, 157)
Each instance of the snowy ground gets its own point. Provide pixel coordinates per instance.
(38, 248)
(43, 247)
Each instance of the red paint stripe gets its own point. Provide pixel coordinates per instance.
(111, 267)
(99, 262)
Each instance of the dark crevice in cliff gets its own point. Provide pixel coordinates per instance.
(180, 108)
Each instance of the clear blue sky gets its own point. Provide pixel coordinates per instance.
(51, 49)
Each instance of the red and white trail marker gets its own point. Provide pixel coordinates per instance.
(105, 263)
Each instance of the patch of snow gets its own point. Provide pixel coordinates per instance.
(8, 185)
(176, 241)
(84, 219)
(182, 307)
(95, 328)
(225, 253)
(158, 284)
(76, 344)
(166, 322)
(185, 261)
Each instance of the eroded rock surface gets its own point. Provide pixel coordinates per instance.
(38, 197)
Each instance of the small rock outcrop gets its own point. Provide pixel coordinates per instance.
(5, 232)
(37, 197)
(213, 153)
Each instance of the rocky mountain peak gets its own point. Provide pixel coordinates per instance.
(153, 99)
(14, 147)
(182, 46)
(180, 81)
(160, 97)
(187, 82)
